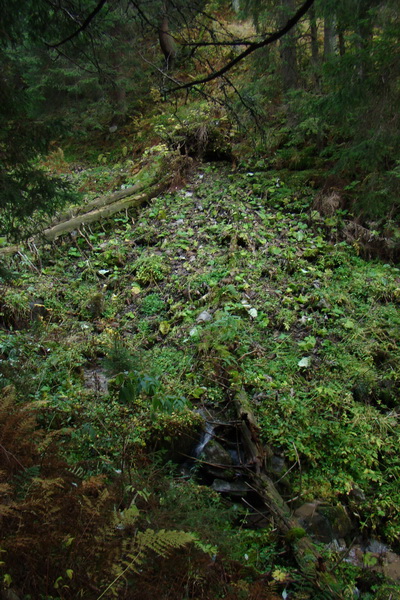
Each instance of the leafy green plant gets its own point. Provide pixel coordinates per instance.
(119, 358)
(133, 385)
(150, 268)
(152, 304)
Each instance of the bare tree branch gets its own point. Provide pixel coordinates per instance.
(251, 48)
(85, 24)
(233, 43)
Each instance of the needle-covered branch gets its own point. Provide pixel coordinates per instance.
(84, 25)
(252, 47)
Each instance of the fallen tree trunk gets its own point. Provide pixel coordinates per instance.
(99, 202)
(256, 454)
(8, 250)
(101, 208)
(107, 210)
(306, 553)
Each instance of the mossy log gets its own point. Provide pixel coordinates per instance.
(256, 454)
(305, 551)
(101, 208)
(107, 209)
(99, 202)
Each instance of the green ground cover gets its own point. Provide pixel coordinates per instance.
(306, 326)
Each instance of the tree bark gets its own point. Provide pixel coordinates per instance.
(329, 36)
(342, 47)
(98, 209)
(314, 47)
(314, 37)
(56, 231)
(167, 43)
(100, 202)
(288, 51)
(305, 551)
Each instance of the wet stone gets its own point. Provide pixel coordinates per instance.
(325, 523)
(278, 465)
(338, 519)
(204, 317)
(315, 524)
(357, 495)
(217, 461)
(376, 557)
(233, 488)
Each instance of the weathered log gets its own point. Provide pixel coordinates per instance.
(99, 202)
(8, 250)
(306, 553)
(103, 207)
(64, 227)
(256, 454)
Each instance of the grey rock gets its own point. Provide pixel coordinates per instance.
(214, 453)
(277, 465)
(391, 566)
(375, 547)
(386, 562)
(338, 518)
(234, 488)
(315, 524)
(357, 495)
(323, 522)
(204, 317)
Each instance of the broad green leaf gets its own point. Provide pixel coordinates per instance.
(164, 327)
(305, 362)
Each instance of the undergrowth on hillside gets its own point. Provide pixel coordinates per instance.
(235, 280)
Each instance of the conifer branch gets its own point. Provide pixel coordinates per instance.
(85, 24)
(251, 48)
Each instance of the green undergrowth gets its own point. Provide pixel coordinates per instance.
(232, 281)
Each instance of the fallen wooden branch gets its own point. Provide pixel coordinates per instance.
(99, 202)
(106, 211)
(256, 454)
(306, 553)
(8, 250)
(101, 208)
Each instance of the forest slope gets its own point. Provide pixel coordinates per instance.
(233, 281)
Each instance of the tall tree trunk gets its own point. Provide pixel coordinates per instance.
(314, 36)
(116, 88)
(289, 71)
(329, 36)
(167, 43)
(342, 48)
(365, 33)
(314, 47)
(236, 5)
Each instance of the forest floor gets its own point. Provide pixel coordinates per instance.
(124, 329)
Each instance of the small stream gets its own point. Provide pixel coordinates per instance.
(206, 436)
(219, 461)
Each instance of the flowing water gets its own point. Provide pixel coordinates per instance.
(205, 438)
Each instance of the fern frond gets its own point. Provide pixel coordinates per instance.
(17, 433)
(5, 488)
(161, 542)
(5, 510)
(23, 480)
